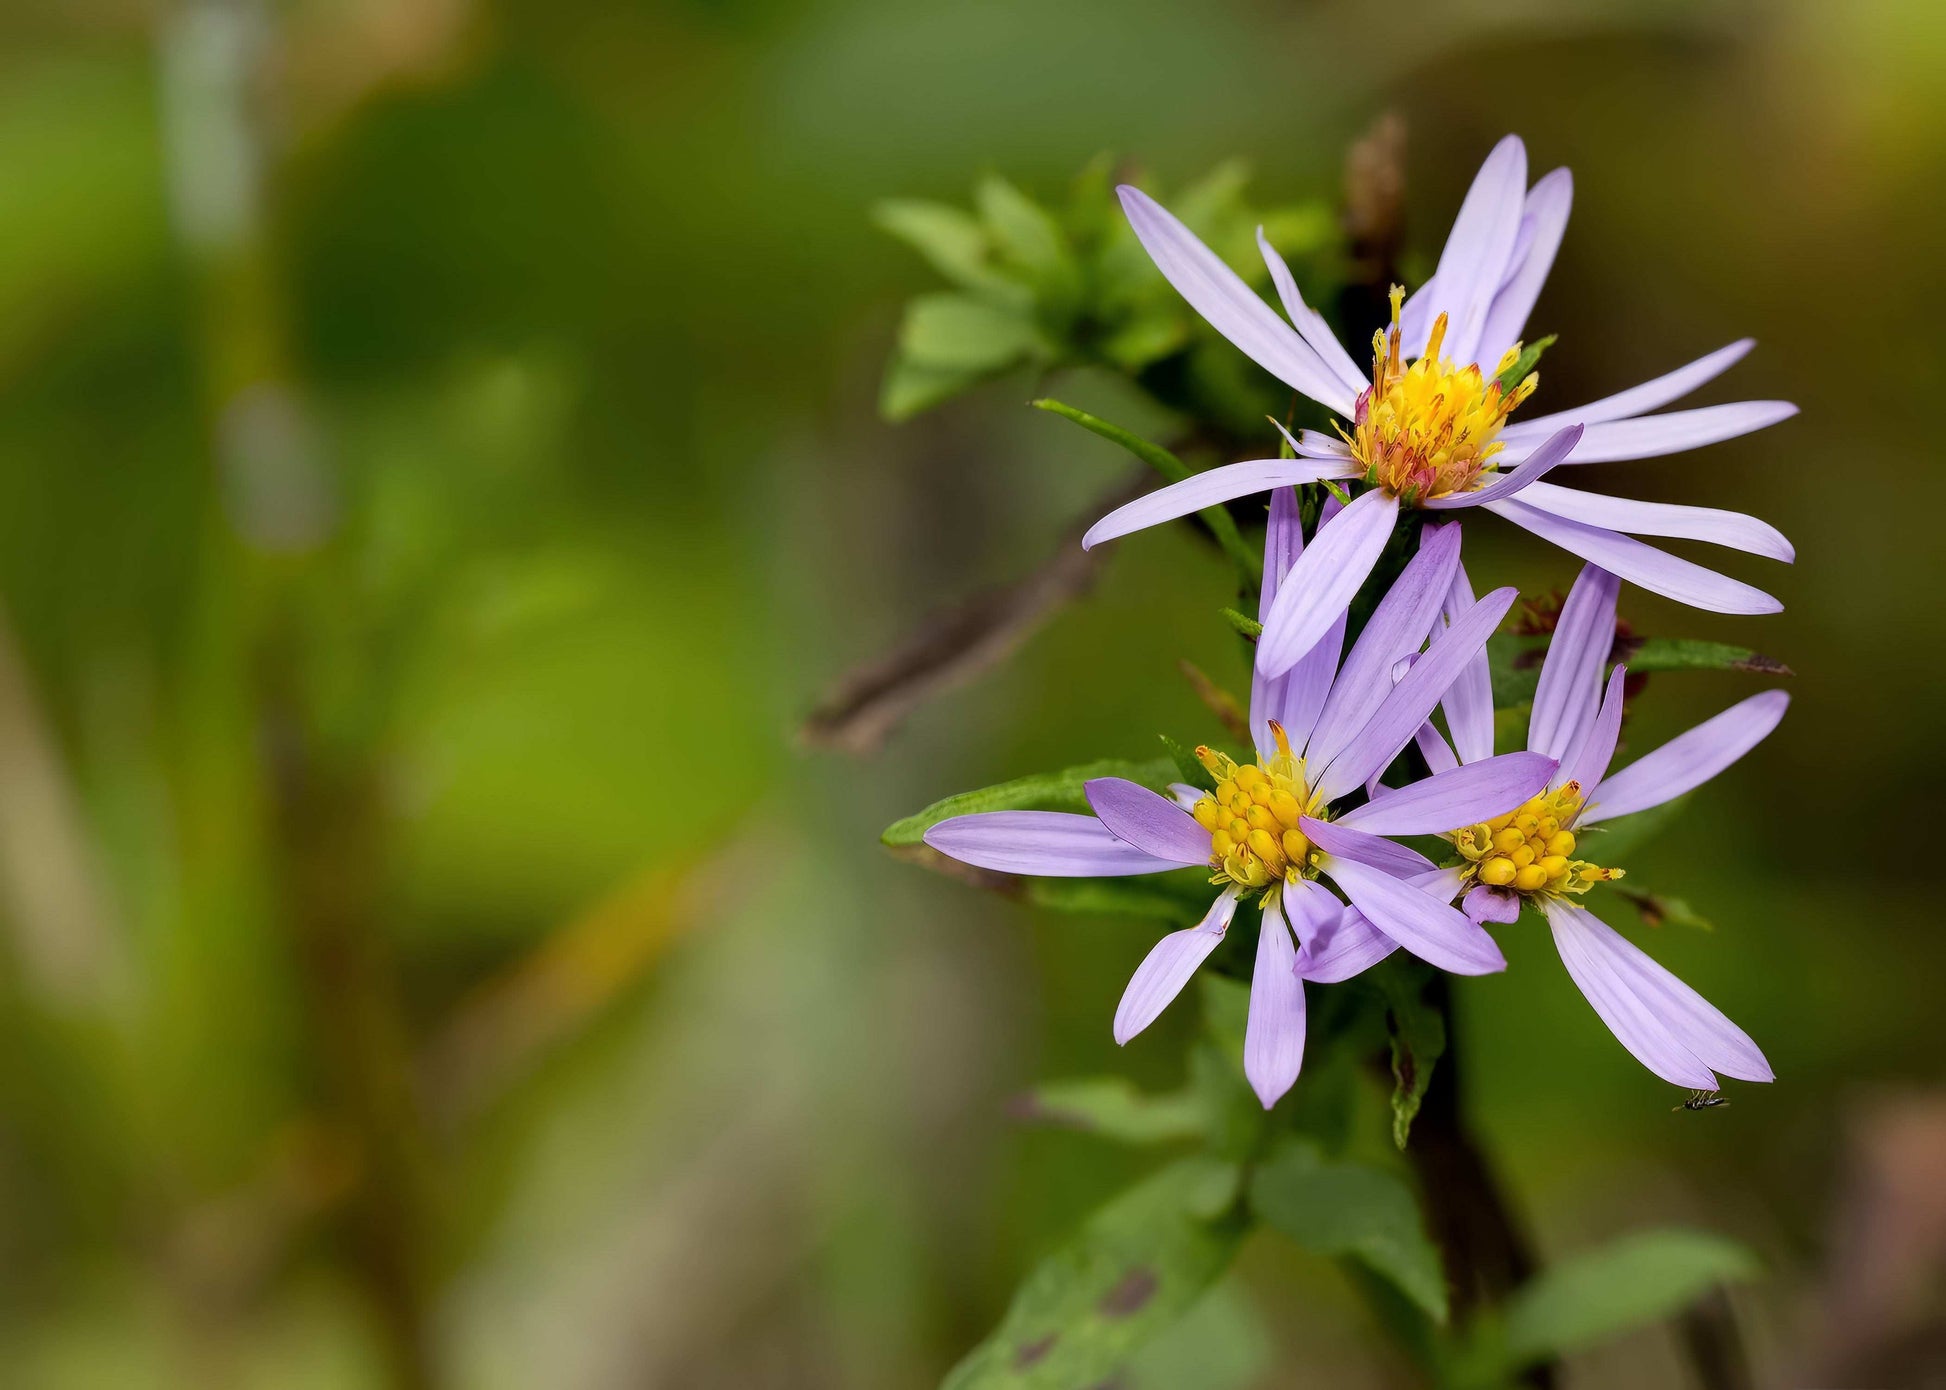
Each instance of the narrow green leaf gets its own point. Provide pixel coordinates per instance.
(1111, 1107)
(954, 244)
(1354, 1211)
(1530, 356)
(1610, 843)
(1187, 767)
(959, 333)
(1693, 654)
(1243, 623)
(1249, 560)
(1418, 1036)
(1044, 791)
(1659, 911)
(910, 389)
(1181, 898)
(1638, 1279)
(1138, 1265)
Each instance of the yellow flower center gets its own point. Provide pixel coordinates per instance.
(1530, 849)
(1430, 429)
(1252, 818)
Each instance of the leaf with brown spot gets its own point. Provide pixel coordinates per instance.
(1137, 1265)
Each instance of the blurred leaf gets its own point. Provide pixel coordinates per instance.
(1658, 911)
(1248, 560)
(1181, 898)
(1418, 1035)
(1044, 791)
(954, 244)
(1140, 1263)
(1151, 335)
(1636, 1280)
(1234, 1120)
(1220, 1344)
(1226, 1012)
(1351, 1210)
(1027, 234)
(1529, 358)
(1611, 842)
(1693, 654)
(959, 333)
(1111, 1107)
(910, 389)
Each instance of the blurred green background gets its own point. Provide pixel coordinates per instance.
(439, 469)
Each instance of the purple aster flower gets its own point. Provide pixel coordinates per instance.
(1323, 732)
(1429, 422)
(1529, 855)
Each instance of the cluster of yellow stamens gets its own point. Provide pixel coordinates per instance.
(1430, 429)
(1252, 818)
(1530, 849)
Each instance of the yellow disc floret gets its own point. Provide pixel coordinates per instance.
(1531, 849)
(1430, 429)
(1252, 818)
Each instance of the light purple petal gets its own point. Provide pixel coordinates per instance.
(1434, 749)
(1465, 796)
(1570, 683)
(1634, 1023)
(1637, 400)
(1468, 702)
(1273, 1036)
(1421, 307)
(1587, 761)
(1543, 220)
(1397, 628)
(1054, 844)
(1474, 264)
(1430, 929)
(1553, 452)
(1283, 543)
(1485, 903)
(1309, 322)
(1168, 966)
(1335, 941)
(1651, 436)
(1306, 685)
(1734, 529)
(1186, 796)
(1698, 1025)
(1320, 586)
(1642, 565)
(1208, 489)
(1231, 307)
(1400, 714)
(1688, 760)
(1401, 861)
(1153, 824)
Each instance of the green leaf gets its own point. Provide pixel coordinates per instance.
(1418, 1035)
(1028, 236)
(1149, 335)
(1530, 356)
(959, 333)
(1182, 897)
(954, 244)
(1693, 654)
(1352, 1211)
(1638, 1279)
(1044, 791)
(1220, 1344)
(1191, 771)
(1243, 623)
(1514, 661)
(910, 389)
(1249, 560)
(1111, 1107)
(1658, 911)
(1138, 1265)
(1611, 842)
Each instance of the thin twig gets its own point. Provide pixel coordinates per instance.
(954, 647)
